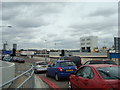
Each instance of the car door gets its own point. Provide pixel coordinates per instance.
(52, 69)
(74, 78)
(84, 78)
(49, 69)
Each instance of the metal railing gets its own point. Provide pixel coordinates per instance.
(29, 81)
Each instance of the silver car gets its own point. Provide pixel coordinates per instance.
(40, 66)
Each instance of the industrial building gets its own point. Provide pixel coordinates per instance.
(87, 44)
(117, 44)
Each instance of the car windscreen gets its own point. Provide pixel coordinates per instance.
(96, 62)
(67, 64)
(76, 60)
(109, 72)
(41, 63)
(110, 62)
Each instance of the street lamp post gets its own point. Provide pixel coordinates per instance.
(9, 26)
(55, 45)
(46, 50)
(6, 26)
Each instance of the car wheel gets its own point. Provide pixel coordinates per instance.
(35, 71)
(56, 77)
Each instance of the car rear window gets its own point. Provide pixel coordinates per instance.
(110, 62)
(96, 62)
(109, 72)
(67, 64)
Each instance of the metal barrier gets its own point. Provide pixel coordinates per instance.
(27, 83)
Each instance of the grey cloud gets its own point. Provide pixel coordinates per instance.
(29, 22)
(51, 35)
(33, 23)
(105, 12)
(106, 25)
(7, 15)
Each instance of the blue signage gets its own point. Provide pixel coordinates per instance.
(7, 52)
(114, 55)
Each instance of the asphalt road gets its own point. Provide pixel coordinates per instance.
(21, 67)
(60, 84)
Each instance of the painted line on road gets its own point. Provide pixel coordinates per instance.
(51, 84)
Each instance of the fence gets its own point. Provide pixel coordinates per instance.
(27, 83)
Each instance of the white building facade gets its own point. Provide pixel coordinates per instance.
(87, 44)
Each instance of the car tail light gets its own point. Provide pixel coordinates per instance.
(60, 69)
(107, 87)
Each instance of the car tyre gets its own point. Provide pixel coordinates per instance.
(56, 77)
(35, 71)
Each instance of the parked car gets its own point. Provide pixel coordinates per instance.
(61, 69)
(40, 66)
(15, 59)
(20, 60)
(97, 76)
(75, 59)
(100, 62)
(7, 58)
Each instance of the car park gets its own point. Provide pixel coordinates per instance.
(61, 69)
(100, 62)
(97, 76)
(40, 66)
(75, 59)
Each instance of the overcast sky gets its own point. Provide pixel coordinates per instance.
(42, 24)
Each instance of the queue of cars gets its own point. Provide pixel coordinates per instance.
(102, 74)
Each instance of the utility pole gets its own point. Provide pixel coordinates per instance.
(46, 50)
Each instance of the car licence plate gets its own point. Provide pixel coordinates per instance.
(69, 70)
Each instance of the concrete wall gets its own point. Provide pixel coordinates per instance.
(84, 54)
(7, 71)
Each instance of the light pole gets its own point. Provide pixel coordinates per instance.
(6, 26)
(9, 26)
(46, 50)
(4, 47)
(55, 45)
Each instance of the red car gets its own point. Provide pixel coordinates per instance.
(97, 76)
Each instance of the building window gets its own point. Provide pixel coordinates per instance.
(83, 49)
(88, 39)
(83, 40)
(88, 43)
(82, 43)
(88, 49)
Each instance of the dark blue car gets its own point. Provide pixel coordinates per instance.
(61, 69)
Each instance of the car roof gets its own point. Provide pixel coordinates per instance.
(39, 61)
(101, 60)
(70, 56)
(64, 61)
(101, 65)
